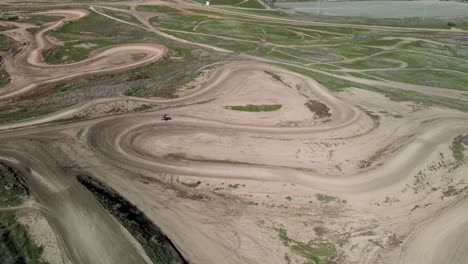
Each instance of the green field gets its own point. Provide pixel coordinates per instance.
(254, 108)
(156, 8)
(4, 78)
(239, 3)
(5, 43)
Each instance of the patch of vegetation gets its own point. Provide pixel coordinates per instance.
(5, 43)
(391, 200)
(80, 133)
(61, 88)
(24, 113)
(266, 12)
(457, 151)
(32, 30)
(315, 251)
(331, 83)
(180, 22)
(288, 198)
(254, 108)
(157, 8)
(73, 118)
(15, 237)
(327, 198)
(221, 2)
(413, 22)
(143, 107)
(124, 7)
(115, 109)
(191, 184)
(137, 92)
(120, 15)
(228, 162)
(402, 95)
(73, 51)
(12, 189)
(160, 78)
(8, 17)
(41, 19)
(4, 77)
(252, 4)
(93, 31)
(427, 77)
(156, 244)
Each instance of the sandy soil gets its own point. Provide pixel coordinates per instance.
(398, 194)
(43, 236)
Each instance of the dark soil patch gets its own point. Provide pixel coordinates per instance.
(320, 109)
(157, 246)
(277, 78)
(452, 191)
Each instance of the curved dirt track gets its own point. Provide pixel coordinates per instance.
(316, 143)
(28, 71)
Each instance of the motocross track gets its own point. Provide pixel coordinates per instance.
(356, 145)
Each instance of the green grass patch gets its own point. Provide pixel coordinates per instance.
(33, 30)
(457, 151)
(315, 251)
(156, 8)
(12, 192)
(73, 51)
(427, 77)
(62, 88)
(4, 77)
(41, 19)
(221, 2)
(402, 95)
(206, 12)
(120, 15)
(21, 240)
(137, 92)
(184, 22)
(228, 162)
(252, 4)
(254, 108)
(5, 43)
(267, 12)
(417, 22)
(192, 184)
(123, 7)
(328, 199)
(24, 113)
(143, 107)
(331, 83)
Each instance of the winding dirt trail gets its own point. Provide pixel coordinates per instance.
(28, 71)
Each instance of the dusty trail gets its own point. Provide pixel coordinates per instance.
(28, 71)
(86, 230)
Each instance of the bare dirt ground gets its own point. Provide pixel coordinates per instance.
(350, 177)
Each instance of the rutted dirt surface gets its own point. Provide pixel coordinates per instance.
(212, 200)
(157, 246)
